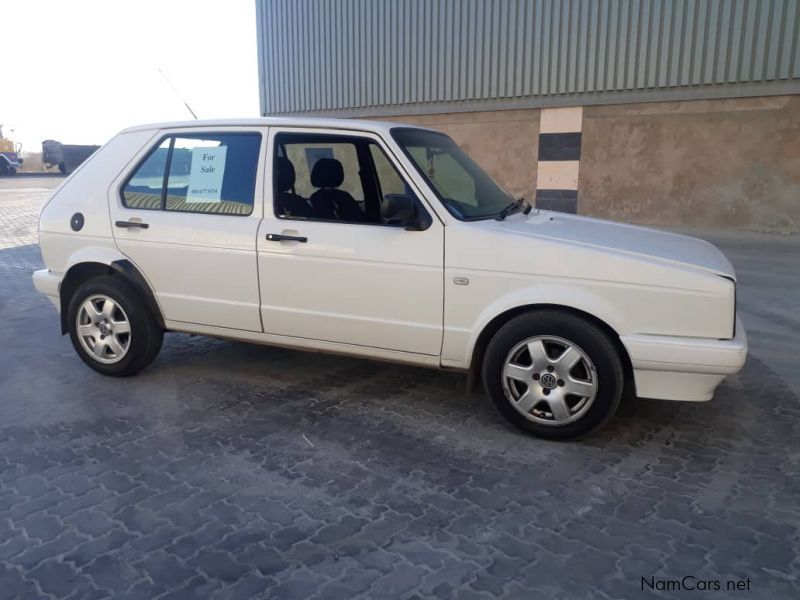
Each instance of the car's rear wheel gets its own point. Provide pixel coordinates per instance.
(553, 374)
(111, 328)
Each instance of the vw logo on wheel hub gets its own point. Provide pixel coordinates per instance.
(548, 381)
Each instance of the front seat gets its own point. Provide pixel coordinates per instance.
(287, 203)
(329, 202)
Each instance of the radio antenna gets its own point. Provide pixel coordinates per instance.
(177, 93)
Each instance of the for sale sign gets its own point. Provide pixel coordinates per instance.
(205, 178)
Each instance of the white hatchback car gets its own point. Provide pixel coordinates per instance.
(382, 241)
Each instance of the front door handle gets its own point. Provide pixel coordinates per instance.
(279, 237)
(130, 224)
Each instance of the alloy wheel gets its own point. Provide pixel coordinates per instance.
(549, 380)
(103, 329)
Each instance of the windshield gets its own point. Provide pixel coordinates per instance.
(464, 188)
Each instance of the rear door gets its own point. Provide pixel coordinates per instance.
(336, 262)
(187, 215)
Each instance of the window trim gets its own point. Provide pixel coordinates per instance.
(194, 134)
(354, 139)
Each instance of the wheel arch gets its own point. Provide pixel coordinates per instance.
(494, 325)
(83, 271)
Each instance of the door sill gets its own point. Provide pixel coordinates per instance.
(312, 345)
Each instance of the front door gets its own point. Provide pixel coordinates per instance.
(347, 252)
(187, 216)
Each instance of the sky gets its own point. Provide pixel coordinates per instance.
(81, 70)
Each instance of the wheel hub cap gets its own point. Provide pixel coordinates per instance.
(548, 380)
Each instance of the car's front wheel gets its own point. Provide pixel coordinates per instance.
(111, 328)
(553, 374)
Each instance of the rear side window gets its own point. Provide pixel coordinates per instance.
(199, 173)
(144, 188)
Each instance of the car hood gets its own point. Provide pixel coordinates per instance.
(618, 237)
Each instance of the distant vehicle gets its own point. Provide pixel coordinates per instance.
(381, 241)
(67, 157)
(10, 155)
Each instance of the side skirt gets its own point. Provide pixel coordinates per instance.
(295, 343)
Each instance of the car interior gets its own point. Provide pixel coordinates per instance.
(387, 200)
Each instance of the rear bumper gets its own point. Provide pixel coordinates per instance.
(46, 282)
(676, 368)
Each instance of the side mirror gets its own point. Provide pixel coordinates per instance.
(417, 224)
(403, 210)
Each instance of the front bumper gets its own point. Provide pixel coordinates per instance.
(678, 368)
(47, 282)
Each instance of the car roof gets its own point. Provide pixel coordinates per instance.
(381, 127)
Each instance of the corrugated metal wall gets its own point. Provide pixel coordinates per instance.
(403, 56)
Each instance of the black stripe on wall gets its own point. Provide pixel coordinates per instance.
(558, 200)
(559, 146)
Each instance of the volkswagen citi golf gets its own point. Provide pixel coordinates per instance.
(380, 241)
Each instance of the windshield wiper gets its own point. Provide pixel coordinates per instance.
(513, 207)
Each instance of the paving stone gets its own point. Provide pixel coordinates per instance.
(35, 553)
(90, 499)
(112, 572)
(267, 560)
(249, 586)
(31, 486)
(91, 523)
(85, 552)
(13, 546)
(166, 570)
(57, 578)
(45, 502)
(218, 565)
(339, 531)
(401, 580)
(196, 479)
(302, 584)
(197, 587)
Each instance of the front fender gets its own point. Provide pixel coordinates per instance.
(553, 294)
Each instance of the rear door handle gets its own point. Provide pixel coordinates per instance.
(129, 224)
(279, 237)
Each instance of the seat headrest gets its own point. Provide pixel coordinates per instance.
(327, 173)
(285, 174)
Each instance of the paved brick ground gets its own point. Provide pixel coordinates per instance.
(232, 471)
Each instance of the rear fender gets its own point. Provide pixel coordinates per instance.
(98, 261)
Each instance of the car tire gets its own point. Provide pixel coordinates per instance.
(111, 327)
(553, 374)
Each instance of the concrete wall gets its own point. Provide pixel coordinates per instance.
(731, 163)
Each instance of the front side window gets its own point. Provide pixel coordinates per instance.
(462, 186)
(199, 173)
(328, 177)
